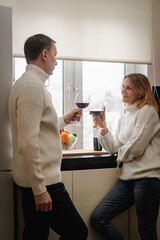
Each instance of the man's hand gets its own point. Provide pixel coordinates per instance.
(43, 202)
(73, 115)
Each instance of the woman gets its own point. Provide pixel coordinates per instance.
(137, 142)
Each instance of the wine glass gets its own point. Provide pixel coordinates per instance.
(81, 101)
(96, 106)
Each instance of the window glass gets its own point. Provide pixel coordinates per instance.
(55, 87)
(54, 84)
(20, 66)
(102, 81)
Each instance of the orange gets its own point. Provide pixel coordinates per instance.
(62, 130)
(64, 137)
(66, 131)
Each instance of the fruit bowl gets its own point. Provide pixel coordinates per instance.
(68, 140)
(67, 146)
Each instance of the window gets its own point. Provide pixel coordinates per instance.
(54, 84)
(55, 87)
(99, 79)
(102, 80)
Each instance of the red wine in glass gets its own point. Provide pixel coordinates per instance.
(96, 112)
(82, 105)
(81, 101)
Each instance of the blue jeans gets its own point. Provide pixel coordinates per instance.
(64, 219)
(144, 193)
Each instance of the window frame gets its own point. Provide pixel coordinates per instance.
(72, 81)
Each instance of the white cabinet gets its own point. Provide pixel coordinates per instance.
(86, 189)
(89, 187)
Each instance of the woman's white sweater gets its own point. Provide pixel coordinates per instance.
(35, 128)
(137, 142)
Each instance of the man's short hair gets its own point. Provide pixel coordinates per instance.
(35, 44)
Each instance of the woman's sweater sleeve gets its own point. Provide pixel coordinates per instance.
(109, 142)
(144, 130)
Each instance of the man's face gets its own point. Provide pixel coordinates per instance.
(51, 61)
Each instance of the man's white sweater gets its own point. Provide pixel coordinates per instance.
(137, 142)
(35, 128)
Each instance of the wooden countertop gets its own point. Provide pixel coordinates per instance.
(75, 152)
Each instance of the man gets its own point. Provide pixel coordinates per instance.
(37, 149)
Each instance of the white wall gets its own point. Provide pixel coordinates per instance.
(154, 69)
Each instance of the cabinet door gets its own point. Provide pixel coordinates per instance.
(89, 187)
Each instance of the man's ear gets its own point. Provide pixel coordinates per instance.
(44, 54)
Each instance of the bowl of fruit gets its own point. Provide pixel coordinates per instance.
(68, 140)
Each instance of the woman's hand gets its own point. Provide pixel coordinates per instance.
(100, 120)
(73, 116)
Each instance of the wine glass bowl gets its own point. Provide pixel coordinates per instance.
(82, 101)
(96, 112)
(82, 105)
(96, 106)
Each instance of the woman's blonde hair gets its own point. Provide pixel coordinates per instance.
(142, 86)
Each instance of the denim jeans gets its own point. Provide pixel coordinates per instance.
(64, 219)
(144, 193)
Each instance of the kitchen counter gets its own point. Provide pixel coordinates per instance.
(87, 159)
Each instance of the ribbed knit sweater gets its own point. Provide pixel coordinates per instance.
(35, 128)
(137, 142)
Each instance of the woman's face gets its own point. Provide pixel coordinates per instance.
(129, 95)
